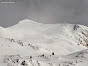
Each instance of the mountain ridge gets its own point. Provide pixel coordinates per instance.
(29, 43)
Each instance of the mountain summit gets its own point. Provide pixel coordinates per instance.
(29, 43)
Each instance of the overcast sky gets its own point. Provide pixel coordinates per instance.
(44, 11)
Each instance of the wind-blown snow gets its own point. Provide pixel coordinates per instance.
(29, 43)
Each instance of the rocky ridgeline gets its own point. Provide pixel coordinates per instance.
(17, 60)
(34, 47)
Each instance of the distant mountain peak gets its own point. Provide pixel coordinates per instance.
(27, 21)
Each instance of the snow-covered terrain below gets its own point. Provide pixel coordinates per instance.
(30, 43)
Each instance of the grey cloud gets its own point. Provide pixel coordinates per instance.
(45, 11)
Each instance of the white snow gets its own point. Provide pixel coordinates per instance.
(29, 43)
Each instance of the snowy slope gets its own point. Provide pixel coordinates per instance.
(29, 43)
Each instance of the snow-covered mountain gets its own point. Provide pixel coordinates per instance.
(29, 43)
